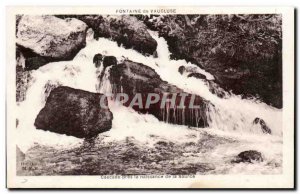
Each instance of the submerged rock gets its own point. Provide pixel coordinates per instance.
(263, 125)
(249, 156)
(135, 78)
(181, 69)
(74, 112)
(231, 48)
(124, 29)
(20, 156)
(44, 38)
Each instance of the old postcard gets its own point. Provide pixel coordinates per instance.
(150, 97)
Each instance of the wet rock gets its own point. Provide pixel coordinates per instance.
(249, 156)
(213, 87)
(20, 157)
(109, 61)
(74, 112)
(106, 60)
(97, 60)
(23, 77)
(263, 125)
(44, 39)
(135, 78)
(124, 29)
(49, 86)
(155, 54)
(18, 18)
(217, 90)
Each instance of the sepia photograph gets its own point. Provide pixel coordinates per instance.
(150, 97)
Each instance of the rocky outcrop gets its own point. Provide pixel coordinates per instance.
(249, 156)
(194, 72)
(242, 52)
(23, 77)
(74, 112)
(125, 30)
(262, 124)
(44, 39)
(135, 78)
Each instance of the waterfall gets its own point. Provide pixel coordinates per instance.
(231, 114)
(228, 114)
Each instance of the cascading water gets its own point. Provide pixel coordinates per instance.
(230, 114)
(230, 117)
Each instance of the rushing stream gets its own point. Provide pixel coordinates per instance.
(134, 136)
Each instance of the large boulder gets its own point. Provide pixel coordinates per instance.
(74, 112)
(44, 38)
(242, 52)
(125, 30)
(134, 78)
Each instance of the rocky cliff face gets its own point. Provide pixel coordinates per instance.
(44, 39)
(134, 78)
(74, 112)
(243, 52)
(125, 30)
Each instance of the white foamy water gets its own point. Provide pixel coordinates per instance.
(231, 117)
